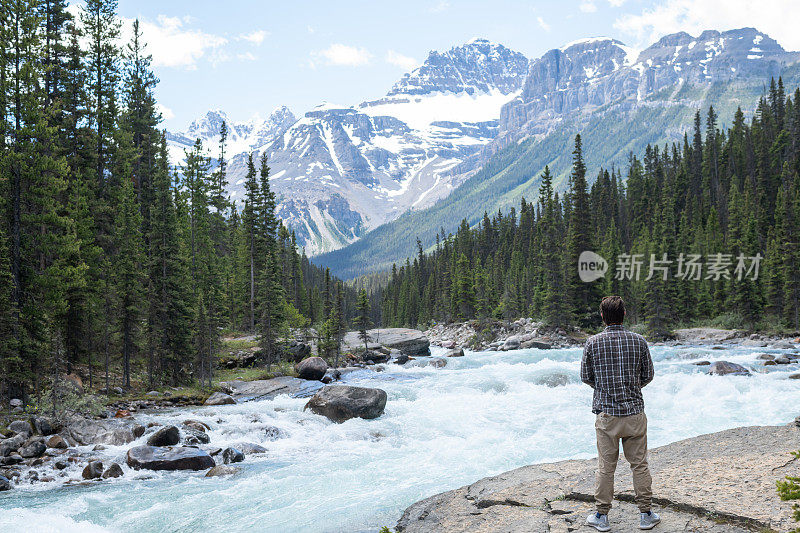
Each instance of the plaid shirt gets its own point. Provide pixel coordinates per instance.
(616, 364)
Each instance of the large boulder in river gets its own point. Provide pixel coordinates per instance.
(409, 341)
(722, 368)
(340, 402)
(163, 458)
(167, 436)
(112, 431)
(220, 398)
(312, 368)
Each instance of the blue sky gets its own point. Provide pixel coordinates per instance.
(247, 57)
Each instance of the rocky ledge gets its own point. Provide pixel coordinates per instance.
(712, 483)
(503, 335)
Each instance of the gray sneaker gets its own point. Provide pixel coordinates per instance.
(599, 522)
(648, 520)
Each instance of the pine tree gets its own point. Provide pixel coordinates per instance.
(363, 322)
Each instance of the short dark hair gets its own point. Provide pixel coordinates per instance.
(612, 309)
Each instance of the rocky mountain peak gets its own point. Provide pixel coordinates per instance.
(478, 66)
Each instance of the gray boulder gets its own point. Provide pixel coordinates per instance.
(223, 470)
(220, 398)
(766, 357)
(15, 402)
(250, 448)
(21, 427)
(7, 446)
(33, 448)
(112, 431)
(723, 368)
(5, 484)
(456, 352)
(232, 455)
(94, 470)
(511, 343)
(409, 341)
(194, 437)
(165, 458)
(541, 345)
(312, 368)
(167, 436)
(339, 402)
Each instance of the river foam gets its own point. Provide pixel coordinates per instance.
(481, 414)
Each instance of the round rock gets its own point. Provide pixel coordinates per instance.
(311, 368)
(341, 402)
(167, 436)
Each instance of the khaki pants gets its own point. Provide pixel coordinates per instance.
(632, 430)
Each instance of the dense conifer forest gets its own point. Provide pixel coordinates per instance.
(111, 258)
(718, 216)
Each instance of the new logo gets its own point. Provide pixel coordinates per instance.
(591, 266)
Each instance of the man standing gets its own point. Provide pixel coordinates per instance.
(616, 364)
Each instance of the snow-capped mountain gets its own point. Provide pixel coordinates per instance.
(591, 73)
(341, 171)
(618, 99)
(243, 137)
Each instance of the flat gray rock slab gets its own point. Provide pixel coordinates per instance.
(730, 475)
(266, 389)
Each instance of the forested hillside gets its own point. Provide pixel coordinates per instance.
(111, 258)
(724, 195)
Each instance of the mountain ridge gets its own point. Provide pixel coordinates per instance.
(586, 87)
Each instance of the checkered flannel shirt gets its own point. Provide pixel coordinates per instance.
(616, 364)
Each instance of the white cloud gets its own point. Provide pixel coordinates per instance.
(440, 6)
(172, 44)
(342, 55)
(542, 24)
(616, 3)
(166, 112)
(399, 60)
(587, 6)
(310, 29)
(777, 18)
(256, 37)
(247, 56)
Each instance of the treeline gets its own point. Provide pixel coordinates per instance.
(109, 257)
(718, 216)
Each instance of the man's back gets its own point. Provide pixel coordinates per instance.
(616, 364)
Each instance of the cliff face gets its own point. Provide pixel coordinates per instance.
(728, 475)
(587, 74)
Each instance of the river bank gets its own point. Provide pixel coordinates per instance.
(723, 481)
